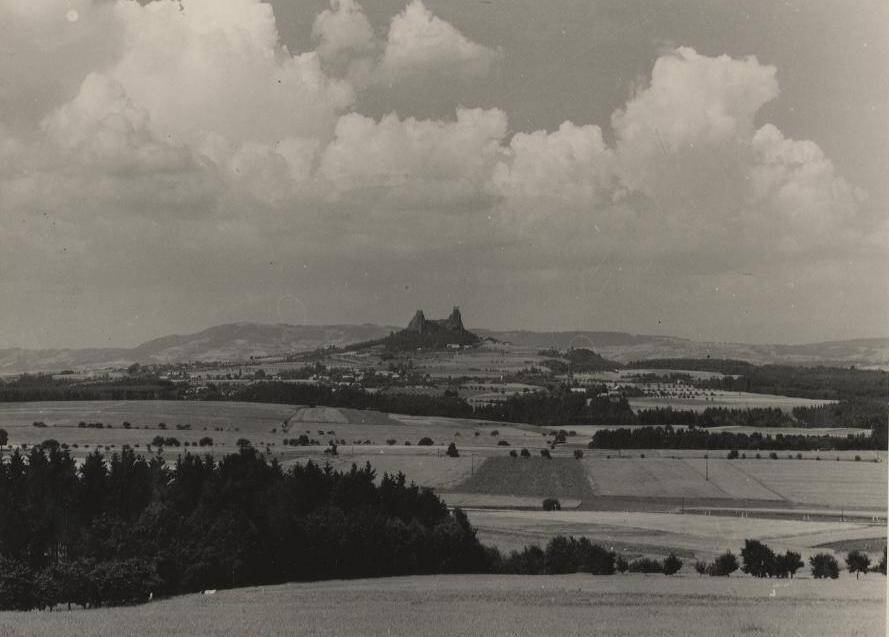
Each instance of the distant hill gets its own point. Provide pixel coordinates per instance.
(624, 347)
(240, 341)
(230, 342)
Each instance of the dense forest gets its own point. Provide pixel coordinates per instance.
(28, 387)
(115, 531)
(670, 438)
(717, 417)
(560, 408)
(865, 414)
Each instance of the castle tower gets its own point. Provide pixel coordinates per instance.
(455, 321)
(418, 323)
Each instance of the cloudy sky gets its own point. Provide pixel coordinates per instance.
(714, 170)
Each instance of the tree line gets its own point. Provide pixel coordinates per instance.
(669, 438)
(117, 530)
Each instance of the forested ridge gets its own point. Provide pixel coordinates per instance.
(116, 530)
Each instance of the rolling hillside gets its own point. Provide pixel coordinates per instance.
(240, 341)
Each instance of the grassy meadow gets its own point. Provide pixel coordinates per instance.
(567, 605)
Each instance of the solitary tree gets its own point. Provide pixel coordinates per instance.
(824, 566)
(789, 563)
(551, 504)
(857, 562)
(672, 564)
(759, 559)
(452, 451)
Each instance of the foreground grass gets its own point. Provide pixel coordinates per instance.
(495, 605)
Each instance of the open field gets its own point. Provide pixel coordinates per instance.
(692, 536)
(699, 400)
(566, 605)
(254, 421)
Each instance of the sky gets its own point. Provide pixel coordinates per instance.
(714, 170)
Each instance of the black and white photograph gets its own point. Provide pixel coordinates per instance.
(420, 318)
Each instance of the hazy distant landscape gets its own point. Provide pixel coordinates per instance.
(241, 341)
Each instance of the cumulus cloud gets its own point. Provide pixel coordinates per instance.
(183, 137)
(421, 44)
(428, 163)
(344, 33)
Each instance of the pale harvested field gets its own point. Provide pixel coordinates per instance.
(688, 535)
(850, 485)
(732, 400)
(497, 606)
(828, 483)
(666, 477)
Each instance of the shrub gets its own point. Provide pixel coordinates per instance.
(513, 453)
(39, 424)
(881, 565)
(857, 458)
(206, 441)
(799, 456)
(544, 453)
(646, 565)
(824, 566)
(495, 432)
(425, 442)
(452, 451)
(620, 564)
(526, 453)
(552, 504)
(773, 456)
(578, 454)
(702, 567)
(672, 564)
(570, 555)
(733, 454)
(243, 442)
(503, 443)
(725, 565)
(390, 441)
(857, 562)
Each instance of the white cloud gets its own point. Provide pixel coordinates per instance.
(176, 139)
(343, 31)
(427, 163)
(218, 67)
(421, 44)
